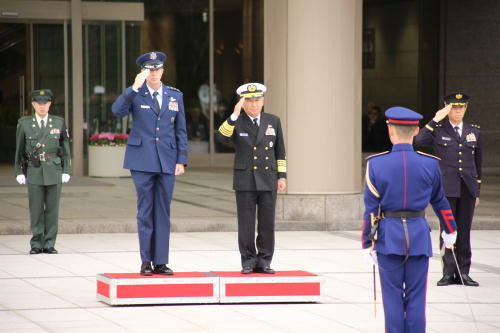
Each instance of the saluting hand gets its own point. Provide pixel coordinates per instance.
(140, 78)
(238, 107)
(441, 114)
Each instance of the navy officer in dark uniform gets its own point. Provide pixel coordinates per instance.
(156, 153)
(259, 171)
(459, 146)
(399, 186)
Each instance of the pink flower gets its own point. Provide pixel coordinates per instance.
(94, 137)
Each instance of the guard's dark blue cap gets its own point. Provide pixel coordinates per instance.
(151, 60)
(398, 115)
(456, 98)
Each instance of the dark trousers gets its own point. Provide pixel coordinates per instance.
(154, 194)
(44, 214)
(250, 203)
(463, 211)
(404, 291)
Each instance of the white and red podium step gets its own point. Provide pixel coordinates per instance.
(211, 287)
(180, 288)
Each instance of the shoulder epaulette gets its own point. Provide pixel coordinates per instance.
(57, 117)
(429, 155)
(25, 118)
(378, 154)
(440, 124)
(172, 88)
(476, 126)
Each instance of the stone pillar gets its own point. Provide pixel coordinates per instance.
(312, 68)
(77, 87)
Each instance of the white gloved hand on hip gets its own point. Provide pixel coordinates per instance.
(65, 177)
(370, 256)
(21, 179)
(449, 239)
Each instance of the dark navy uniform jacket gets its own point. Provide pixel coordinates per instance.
(404, 180)
(461, 158)
(260, 152)
(158, 140)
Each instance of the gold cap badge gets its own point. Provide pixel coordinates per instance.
(458, 96)
(42, 92)
(252, 88)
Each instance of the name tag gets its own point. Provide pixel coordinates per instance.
(145, 107)
(446, 138)
(243, 134)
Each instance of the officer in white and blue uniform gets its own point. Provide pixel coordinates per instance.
(156, 153)
(399, 186)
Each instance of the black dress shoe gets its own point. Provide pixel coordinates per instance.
(50, 250)
(468, 281)
(446, 280)
(265, 270)
(163, 270)
(146, 269)
(35, 250)
(247, 270)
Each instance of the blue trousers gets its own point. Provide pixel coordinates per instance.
(154, 194)
(404, 291)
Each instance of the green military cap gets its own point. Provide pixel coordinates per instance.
(42, 95)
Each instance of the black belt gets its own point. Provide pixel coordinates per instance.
(46, 156)
(404, 213)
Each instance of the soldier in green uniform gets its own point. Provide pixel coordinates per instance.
(43, 162)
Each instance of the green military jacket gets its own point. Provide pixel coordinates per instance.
(28, 134)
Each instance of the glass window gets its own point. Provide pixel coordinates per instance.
(102, 71)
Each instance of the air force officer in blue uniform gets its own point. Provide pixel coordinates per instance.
(399, 185)
(156, 153)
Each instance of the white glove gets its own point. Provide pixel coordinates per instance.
(449, 239)
(370, 256)
(65, 178)
(21, 179)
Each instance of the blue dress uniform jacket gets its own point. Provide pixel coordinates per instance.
(404, 180)
(396, 181)
(156, 143)
(158, 140)
(461, 158)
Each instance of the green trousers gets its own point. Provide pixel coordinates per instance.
(44, 214)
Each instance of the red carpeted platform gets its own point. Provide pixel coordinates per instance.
(180, 288)
(284, 286)
(212, 287)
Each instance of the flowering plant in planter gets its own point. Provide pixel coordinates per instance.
(108, 139)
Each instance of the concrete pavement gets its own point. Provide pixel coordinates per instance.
(56, 293)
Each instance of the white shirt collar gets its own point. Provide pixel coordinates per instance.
(38, 119)
(151, 90)
(460, 126)
(252, 118)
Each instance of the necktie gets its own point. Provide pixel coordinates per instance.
(42, 124)
(155, 101)
(255, 122)
(457, 130)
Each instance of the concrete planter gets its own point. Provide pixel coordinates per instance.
(107, 161)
